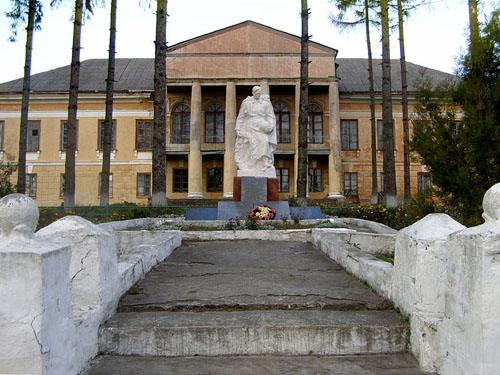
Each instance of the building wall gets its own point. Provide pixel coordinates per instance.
(126, 163)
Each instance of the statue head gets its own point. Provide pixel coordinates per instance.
(257, 92)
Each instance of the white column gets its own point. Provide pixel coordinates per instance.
(229, 137)
(264, 85)
(195, 181)
(334, 159)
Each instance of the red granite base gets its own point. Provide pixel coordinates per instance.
(237, 189)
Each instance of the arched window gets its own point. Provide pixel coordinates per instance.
(314, 124)
(282, 114)
(180, 121)
(214, 123)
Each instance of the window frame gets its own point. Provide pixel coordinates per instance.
(279, 113)
(311, 124)
(146, 190)
(63, 136)
(142, 145)
(282, 177)
(110, 194)
(181, 186)
(2, 134)
(217, 111)
(349, 178)
(62, 184)
(184, 136)
(380, 134)
(312, 180)
(215, 182)
(100, 135)
(423, 179)
(29, 146)
(349, 146)
(29, 177)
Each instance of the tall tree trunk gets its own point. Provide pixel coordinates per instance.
(373, 122)
(474, 33)
(108, 120)
(69, 166)
(390, 193)
(159, 195)
(23, 128)
(303, 103)
(404, 103)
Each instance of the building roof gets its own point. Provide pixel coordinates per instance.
(136, 75)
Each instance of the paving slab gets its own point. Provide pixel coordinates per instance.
(399, 364)
(249, 275)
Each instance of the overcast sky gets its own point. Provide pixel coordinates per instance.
(434, 35)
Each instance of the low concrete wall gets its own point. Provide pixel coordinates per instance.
(375, 272)
(60, 285)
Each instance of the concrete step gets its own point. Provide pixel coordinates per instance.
(273, 332)
(393, 364)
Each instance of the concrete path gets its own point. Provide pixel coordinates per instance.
(249, 275)
(253, 307)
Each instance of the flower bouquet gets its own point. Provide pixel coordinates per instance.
(262, 213)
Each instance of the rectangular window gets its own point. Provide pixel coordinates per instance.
(350, 184)
(349, 129)
(315, 185)
(62, 182)
(424, 183)
(143, 184)
(33, 136)
(2, 129)
(282, 174)
(64, 135)
(144, 135)
(380, 133)
(100, 135)
(214, 179)
(455, 128)
(110, 184)
(180, 180)
(30, 185)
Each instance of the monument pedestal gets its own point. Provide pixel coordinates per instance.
(250, 192)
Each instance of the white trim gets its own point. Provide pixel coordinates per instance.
(32, 155)
(81, 114)
(50, 163)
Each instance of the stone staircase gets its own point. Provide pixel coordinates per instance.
(253, 307)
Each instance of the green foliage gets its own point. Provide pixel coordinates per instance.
(19, 16)
(99, 214)
(463, 154)
(6, 171)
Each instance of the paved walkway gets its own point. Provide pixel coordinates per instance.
(216, 307)
(250, 275)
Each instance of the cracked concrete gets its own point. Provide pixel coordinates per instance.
(250, 274)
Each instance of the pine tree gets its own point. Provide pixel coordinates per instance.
(462, 152)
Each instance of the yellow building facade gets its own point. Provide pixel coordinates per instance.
(208, 78)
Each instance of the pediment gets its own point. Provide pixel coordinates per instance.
(247, 38)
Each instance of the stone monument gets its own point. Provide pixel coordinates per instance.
(256, 181)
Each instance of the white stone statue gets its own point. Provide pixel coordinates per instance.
(256, 136)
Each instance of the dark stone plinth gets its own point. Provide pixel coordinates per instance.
(254, 192)
(231, 210)
(201, 213)
(272, 188)
(313, 212)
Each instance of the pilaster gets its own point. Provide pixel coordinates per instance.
(334, 159)
(195, 181)
(230, 138)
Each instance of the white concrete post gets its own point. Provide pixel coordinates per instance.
(418, 285)
(35, 313)
(471, 328)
